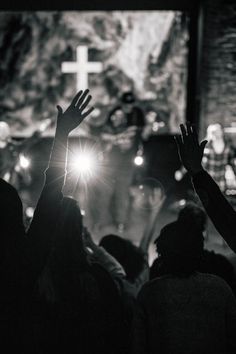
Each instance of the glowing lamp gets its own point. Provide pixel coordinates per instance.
(24, 162)
(138, 160)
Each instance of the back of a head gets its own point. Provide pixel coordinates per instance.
(127, 254)
(128, 97)
(193, 213)
(180, 246)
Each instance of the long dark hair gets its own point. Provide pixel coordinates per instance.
(62, 278)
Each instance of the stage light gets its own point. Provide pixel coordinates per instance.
(29, 212)
(138, 160)
(182, 202)
(24, 162)
(84, 162)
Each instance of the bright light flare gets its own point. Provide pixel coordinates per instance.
(84, 162)
(138, 160)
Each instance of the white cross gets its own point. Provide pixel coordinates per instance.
(82, 67)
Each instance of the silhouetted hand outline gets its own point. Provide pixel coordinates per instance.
(74, 114)
(189, 149)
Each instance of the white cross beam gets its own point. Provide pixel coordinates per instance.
(82, 67)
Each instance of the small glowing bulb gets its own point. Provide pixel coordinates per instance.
(24, 162)
(182, 202)
(138, 160)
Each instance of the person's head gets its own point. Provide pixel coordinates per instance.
(194, 213)
(128, 255)
(117, 118)
(127, 101)
(215, 131)
(11, 212)
(148, 193)
(180, 247)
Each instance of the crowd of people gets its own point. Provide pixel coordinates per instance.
(63, 293)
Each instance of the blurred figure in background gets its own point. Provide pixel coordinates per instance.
(121, 140)
(219, 154)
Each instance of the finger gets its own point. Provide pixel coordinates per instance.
(59, 110)
(178, 140)
(85, 114)
(183, 131)
(82, 97)
(179, 143)
(86, 102)
(75, 99)
(203, 144)
(189, 130)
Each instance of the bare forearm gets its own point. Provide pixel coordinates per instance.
(59, 150)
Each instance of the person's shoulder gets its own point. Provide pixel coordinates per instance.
(214, 282)
(155, 283)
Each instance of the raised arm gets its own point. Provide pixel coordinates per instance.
(216, 205)
(45, 218)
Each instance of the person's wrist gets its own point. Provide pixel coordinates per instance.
(61, 132)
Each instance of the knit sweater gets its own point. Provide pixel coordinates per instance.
(193, 315)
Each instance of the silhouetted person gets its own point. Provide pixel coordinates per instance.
(79, 300)
(211, 262)
(14, 268)
(78, 307)
(135, 265)
(184, 311)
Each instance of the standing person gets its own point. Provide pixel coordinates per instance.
(122, 139)
(78, 308)
(184, 311)
(218, 154)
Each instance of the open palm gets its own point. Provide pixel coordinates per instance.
(75, 113)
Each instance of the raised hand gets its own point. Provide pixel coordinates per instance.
(75, 113)
(190, 151)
